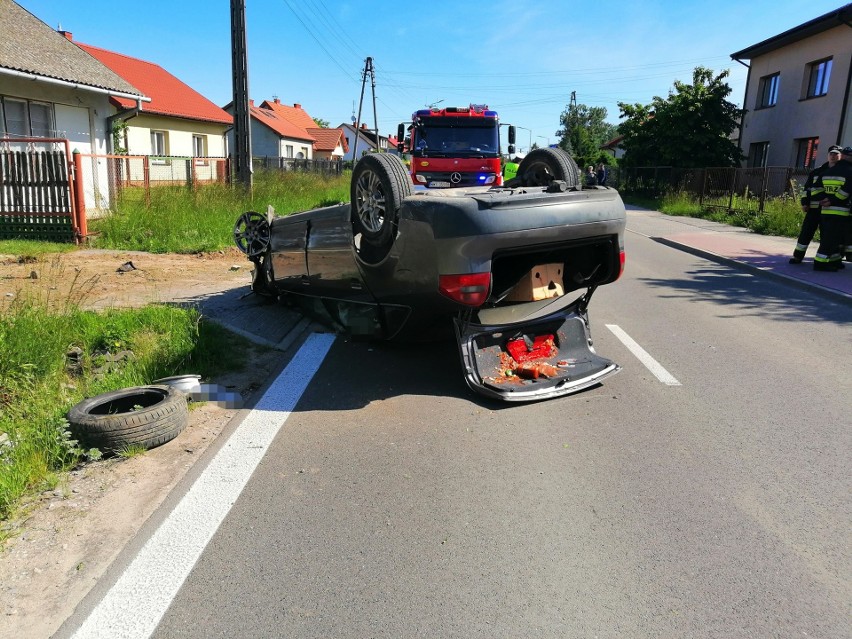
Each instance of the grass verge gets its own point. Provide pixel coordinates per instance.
(781, 216)
(180, 220)
(52, 358)
(54, 353)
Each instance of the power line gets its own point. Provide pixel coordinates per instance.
(310, 32)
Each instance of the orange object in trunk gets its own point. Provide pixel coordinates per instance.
(534, 370)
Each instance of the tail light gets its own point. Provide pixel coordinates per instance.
(471, 289)
(620, 263)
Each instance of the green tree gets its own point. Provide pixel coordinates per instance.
(690, 128)
(323, 124)
(584, 130)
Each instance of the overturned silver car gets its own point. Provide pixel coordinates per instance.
(510, 270)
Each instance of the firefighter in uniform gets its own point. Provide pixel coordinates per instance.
(847, 247)
(836, 183)
(811, 197)
(510, 171)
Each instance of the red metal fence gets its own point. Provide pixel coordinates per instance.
(110, 177)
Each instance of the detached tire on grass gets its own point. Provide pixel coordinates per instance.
(146, 416)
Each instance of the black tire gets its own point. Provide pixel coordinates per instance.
(542, 166)
(380, 183)
(109, 422)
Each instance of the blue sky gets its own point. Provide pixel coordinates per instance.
(523, 63)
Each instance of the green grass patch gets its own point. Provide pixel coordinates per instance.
(781, 216)
(50, 359)
(177, 219)
(53, 353)
(33, 249)
(131, 450)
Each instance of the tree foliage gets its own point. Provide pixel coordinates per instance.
(584, 130)
(323, 124)
(690, 128)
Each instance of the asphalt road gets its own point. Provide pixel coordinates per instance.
(395, 503)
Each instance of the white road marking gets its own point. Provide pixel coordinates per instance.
(135, 604)
(642, 355)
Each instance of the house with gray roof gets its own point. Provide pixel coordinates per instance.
(51, 88)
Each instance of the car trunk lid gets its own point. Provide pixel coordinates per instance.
(532, 351)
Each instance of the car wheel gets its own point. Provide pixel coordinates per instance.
(146, 416)
(542, 166)
(251, 233)
(380, 183)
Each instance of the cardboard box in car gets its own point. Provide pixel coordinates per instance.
(542, 282)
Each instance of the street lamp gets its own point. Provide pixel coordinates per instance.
(544, 138)
(529, 146)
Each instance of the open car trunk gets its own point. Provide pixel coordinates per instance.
(531, 351)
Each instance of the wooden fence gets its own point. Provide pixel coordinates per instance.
(37, 199)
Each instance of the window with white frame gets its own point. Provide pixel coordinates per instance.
(198, 149)
(767, 93)
(303, 153)
(159, 141)
(23, 118)
(288, 150)
(17, 121)
(41, 120)
(819, 74)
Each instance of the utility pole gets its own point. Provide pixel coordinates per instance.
(242, 115)
(368, 69)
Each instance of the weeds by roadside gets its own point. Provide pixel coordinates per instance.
(53, 353)
(781, 216)
(180, 220)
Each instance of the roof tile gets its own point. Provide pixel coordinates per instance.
(30, 46)
(169, 96)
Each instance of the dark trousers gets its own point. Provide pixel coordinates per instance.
(846, 247)
(806, 235)
(831, 230)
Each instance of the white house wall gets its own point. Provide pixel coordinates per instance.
(364, 145)
(267, 143)
(80, 117)
(179, 133)
(299, 146)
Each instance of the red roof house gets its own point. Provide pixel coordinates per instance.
(329, 143)
(295, 114)
(279, 130)
(178, 121)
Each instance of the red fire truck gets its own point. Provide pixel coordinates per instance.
(454, 146)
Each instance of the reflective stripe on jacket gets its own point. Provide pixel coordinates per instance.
(836, 182)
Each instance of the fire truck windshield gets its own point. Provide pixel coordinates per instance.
(456, 137)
